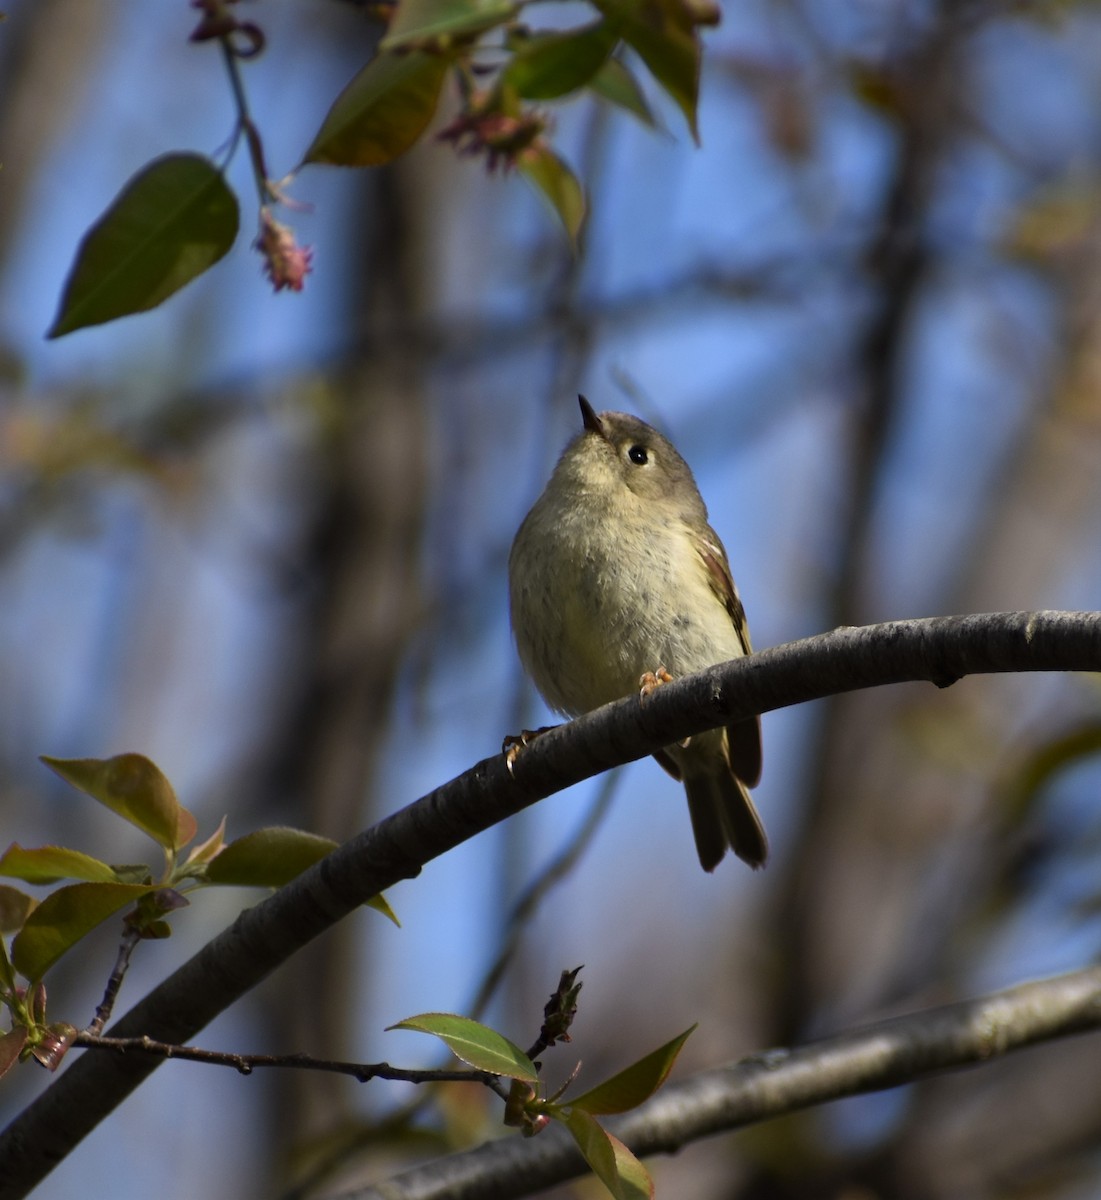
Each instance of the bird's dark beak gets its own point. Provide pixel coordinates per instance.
(589, 418)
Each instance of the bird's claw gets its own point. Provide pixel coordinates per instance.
(515, 742)
(650, 681)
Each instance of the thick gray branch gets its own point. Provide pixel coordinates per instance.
(766, 1085)
(939, 649)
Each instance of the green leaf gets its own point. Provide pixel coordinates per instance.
(637, 1083)
(663, 34)
(612, 1163)
(132, 872)
(557, 184)
(135, 788)
(273, 857)
(156, 930)
(268, 857)
(48, 864)
(15, 908)
(11, 1044)
(595, 1146)
(171, 222)
(7, 974)
(382, 112)
(381, 905)
(549, 65)
(439, 22)
(634, 1180)
(63, 918)
(614, 83)
(476, 1044)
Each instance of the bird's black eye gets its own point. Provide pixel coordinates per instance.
(638, 455)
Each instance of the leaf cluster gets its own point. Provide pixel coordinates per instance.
(531, 1109)
(136, 790)
(42, 931)
(177, 216)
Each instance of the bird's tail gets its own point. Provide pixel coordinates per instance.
(717, 769)
(723, 814)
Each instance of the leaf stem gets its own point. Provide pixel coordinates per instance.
(245, 123)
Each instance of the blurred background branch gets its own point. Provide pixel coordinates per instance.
(776, 1082)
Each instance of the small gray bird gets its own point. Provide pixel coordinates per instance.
(617, 581)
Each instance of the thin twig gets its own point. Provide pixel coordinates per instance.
(245, 123)
(130, 938)
(247, 1063)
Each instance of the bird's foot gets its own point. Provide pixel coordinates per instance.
(650, 681)
(515, 742)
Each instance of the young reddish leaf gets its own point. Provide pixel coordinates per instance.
(637, 1083)
(174, 219)
(268, 857)
(420, 22)
(206, 851)
(48, 864)
(663, 34)
(382, 112)
(54, 1045)
(520, 1095)
(550, 65)
(63, 918)
(614, 83)
(11, 1044)
(136, 789)
(15, 908)
(476, 1044)
(612, 1163)
(556, 183)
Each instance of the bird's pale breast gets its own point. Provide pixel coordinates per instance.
(596, 611)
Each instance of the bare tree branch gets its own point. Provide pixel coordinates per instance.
(937, 649)
(879, 1056)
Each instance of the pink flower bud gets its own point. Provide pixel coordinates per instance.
(286, 263)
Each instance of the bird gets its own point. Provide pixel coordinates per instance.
(617, 582)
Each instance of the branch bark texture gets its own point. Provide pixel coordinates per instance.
(939, 649)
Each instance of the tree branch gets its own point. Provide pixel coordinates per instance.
(883, 1055)
(938, 649)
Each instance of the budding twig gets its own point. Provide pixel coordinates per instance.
(245, 1064)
